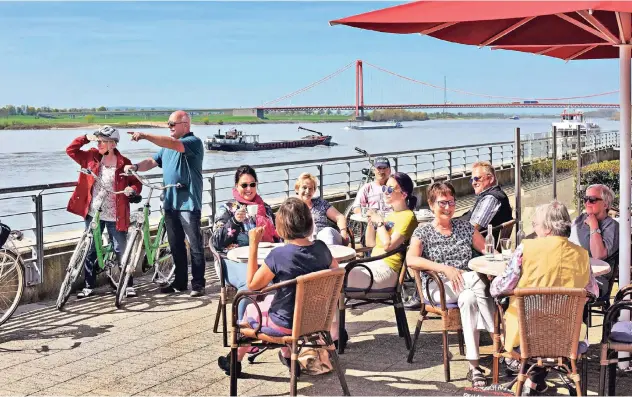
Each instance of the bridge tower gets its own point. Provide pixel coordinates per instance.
(359, 105)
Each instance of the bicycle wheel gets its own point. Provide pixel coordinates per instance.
(74, 268)
(164, 267)
(131, 257)
(11, 284)
(113, 269)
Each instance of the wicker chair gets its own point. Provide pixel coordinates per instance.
(549, 321)
(314, 309)
(602, 303)
(218, 262)
(450, 319)
(616, 337)
(389, 296)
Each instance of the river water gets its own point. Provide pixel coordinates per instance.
(30, 157)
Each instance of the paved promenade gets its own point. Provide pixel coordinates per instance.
(162, 345)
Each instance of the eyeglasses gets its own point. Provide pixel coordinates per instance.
(173, 123)
(389, 189)
(476, 178)
(591, 199)
(446, 203)
(245, 185)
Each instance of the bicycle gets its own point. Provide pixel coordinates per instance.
(368, 175)
(105, 252)
(11, 273)
(157, 251)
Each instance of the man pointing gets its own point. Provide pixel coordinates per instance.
(180, 158)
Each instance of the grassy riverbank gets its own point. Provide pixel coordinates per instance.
(157, 121)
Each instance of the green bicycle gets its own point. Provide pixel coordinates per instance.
(105, 253)
(156, 249)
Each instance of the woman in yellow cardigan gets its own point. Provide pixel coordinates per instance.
(550, 260)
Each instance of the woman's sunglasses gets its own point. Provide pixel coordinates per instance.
(245, 185)
(591, 199)
(389, 189)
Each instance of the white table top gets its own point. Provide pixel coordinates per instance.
(240, 254)
(422, 217)
(496, 266)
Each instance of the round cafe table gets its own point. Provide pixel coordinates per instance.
(422, 217)
(240, 254)
(496, 266)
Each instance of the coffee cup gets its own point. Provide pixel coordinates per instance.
(252, 210)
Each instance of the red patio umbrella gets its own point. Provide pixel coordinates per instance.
(567, 30)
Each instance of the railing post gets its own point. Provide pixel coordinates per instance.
(213, 196)
(554, 163)
(289, 182)
(433, 172)
(449, 165)
(33, 276)
(517, 184)
(416, 173)
(348, 180)
(396, 162)
(491, 154)
(320, 181)
(579, 170)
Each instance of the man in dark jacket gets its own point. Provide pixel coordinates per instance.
(492, 205)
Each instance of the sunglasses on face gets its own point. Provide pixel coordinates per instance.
(245, 185)
(172, 124)
(446, 203)
(591, 199)
(476, 179)
(389, 189)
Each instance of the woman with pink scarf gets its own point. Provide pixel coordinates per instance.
(232, 224)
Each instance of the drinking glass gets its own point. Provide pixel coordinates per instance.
(505, 248)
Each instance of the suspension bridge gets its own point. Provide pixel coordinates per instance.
(491, 101)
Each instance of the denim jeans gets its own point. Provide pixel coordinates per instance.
(119, 240)
(235, 274)
(181, 224)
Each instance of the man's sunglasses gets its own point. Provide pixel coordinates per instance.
(591, 199)
(245, 185)
(476, 179)
(389, 189)
(173, 123)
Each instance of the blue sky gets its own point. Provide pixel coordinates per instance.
(225, 54)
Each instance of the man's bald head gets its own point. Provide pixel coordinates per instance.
(179, 123)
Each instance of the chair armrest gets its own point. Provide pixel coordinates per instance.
(361, 263)
(611, 317)
(435, 277)
(623, 292)
(250, 295)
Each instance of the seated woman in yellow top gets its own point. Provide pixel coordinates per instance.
(550, 260)
(387, 234)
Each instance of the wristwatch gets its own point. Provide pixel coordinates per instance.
(378, 225)
(595, 231)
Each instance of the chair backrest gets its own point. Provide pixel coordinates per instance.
(550, 321)
(316, 301)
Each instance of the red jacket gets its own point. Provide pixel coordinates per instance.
(81, 198)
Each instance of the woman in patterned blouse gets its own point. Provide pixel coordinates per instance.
(322, 212)
(445, 246)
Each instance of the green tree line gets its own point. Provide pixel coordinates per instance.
(397, 114)
(26, 110)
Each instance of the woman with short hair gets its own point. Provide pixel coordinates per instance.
(445, 246)
(322, 212)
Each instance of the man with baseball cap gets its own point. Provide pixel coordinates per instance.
(370, 195)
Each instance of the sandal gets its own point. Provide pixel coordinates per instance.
(477, 377)
(512, 366)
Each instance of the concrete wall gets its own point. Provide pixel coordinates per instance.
(245, 112)
(55, 265)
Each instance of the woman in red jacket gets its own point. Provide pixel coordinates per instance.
(107, 163)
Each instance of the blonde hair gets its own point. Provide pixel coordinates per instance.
(304, 176)
(487, 167)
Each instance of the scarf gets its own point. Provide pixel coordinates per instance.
(262, 218)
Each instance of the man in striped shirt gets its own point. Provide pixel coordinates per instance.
(492, 205)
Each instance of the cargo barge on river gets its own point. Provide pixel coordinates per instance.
(235, 140)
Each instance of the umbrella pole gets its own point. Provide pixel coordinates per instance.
(554, 164)
(625, 51)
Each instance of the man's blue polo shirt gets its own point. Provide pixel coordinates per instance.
(184, 168)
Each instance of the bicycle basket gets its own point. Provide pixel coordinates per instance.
(4, 233)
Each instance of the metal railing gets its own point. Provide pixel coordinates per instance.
(39, 211)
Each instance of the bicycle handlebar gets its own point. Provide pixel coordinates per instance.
(361, 151)
(98, 180)
(150, 185)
